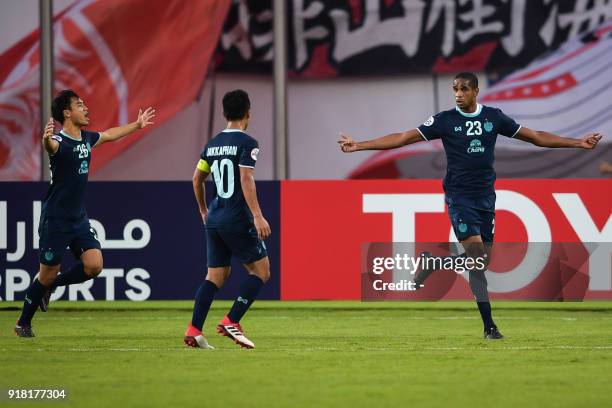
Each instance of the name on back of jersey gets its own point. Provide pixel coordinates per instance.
(222, 151)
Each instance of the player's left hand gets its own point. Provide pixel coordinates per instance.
(144, 118)
(262, 227)
(590, 141)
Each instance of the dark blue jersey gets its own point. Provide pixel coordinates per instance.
(223, 156)
(469, 141)
(69, 171)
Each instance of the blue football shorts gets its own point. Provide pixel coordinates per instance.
(56, 235)
(472, 216)
(239, 240)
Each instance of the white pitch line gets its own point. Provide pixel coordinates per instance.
(92, 318)
(314, 349)
(523, 348)
(186, 317)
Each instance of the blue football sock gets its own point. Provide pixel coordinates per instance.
(30, 304)
(203, 299)
(485, 313)
(478, 285)
(246, 296)
(76, 274)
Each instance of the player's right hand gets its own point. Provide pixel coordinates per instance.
(347, 144)
(49, 129)
(204, 215)
(262, 227)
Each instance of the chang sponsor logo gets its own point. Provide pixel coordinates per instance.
(475, 147)
(84, 169)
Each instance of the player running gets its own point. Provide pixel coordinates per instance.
(63, 220)
(468, 135)
(234, 223)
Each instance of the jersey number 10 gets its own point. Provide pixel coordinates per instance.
(218, 171)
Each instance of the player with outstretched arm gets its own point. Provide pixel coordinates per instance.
(468, 133)
(63, 219)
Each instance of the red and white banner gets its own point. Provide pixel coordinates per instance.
(567, 92)
(326, 223)
(119, 56)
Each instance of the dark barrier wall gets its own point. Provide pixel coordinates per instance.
(152, 238)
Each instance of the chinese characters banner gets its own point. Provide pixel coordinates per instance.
(362, 37)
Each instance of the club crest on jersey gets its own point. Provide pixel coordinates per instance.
(429, 121)
(475, 147)
(488, 126)
(457, 128)
(254, 153)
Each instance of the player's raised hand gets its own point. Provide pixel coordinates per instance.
(590, 141)
(49, 144)
(144, 118)
(49, 129)
(347, 144)
(262, 227)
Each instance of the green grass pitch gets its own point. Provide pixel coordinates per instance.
(315, 354)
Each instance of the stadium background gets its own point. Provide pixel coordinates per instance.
(363, 67)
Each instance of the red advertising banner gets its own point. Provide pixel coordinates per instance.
(327, 223)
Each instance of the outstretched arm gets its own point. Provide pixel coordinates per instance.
(116, 133)
(391, 141)
(546, 139)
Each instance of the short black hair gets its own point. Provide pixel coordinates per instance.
(61, 102)
(470, 77)
(236, 104)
